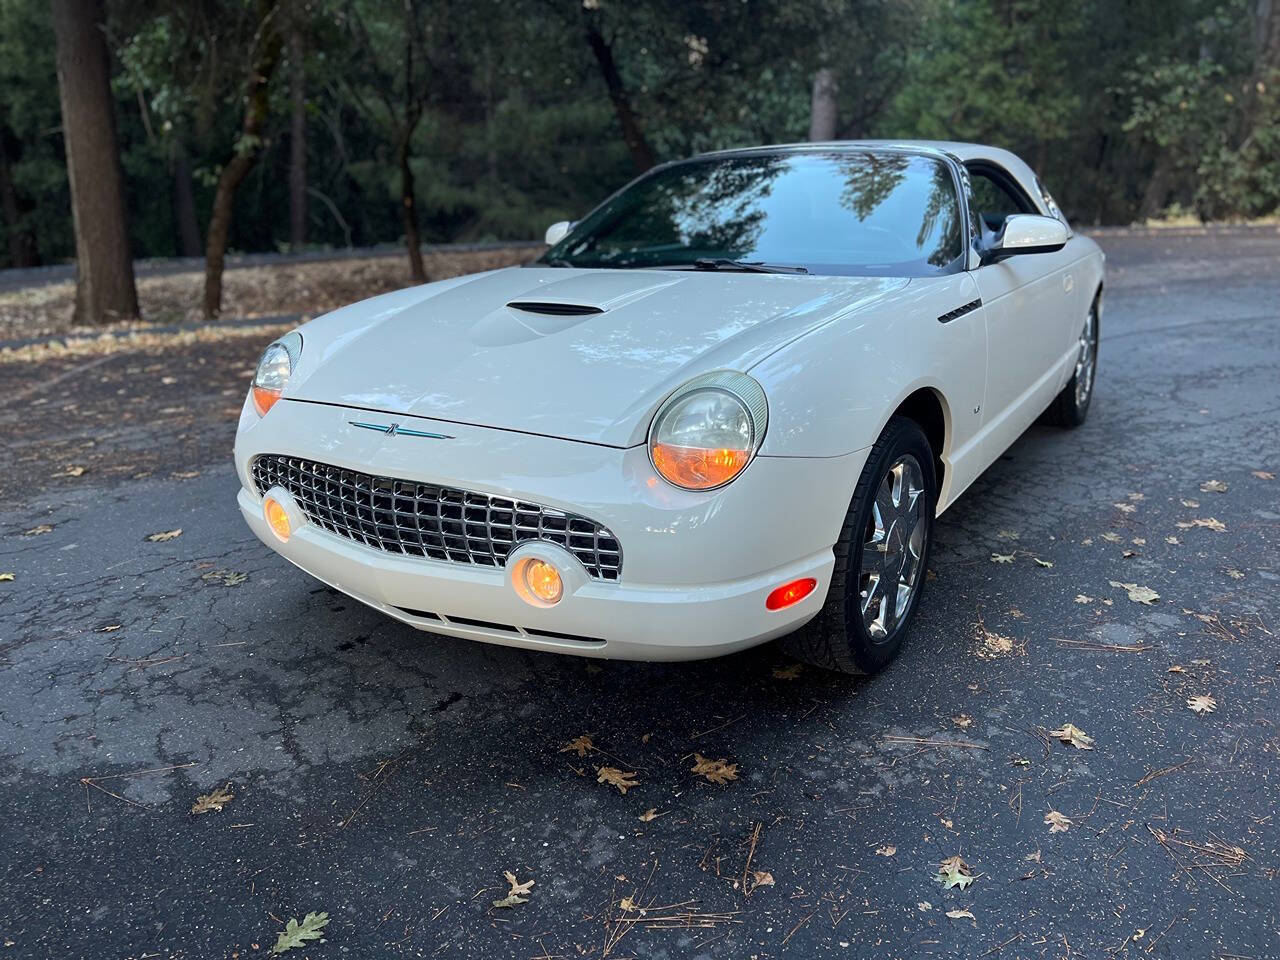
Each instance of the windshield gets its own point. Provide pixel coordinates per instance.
(857, 213)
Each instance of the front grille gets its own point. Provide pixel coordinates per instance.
(425, 520)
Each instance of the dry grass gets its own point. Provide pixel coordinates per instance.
(289, 288)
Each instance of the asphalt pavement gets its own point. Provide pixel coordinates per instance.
(389, 777)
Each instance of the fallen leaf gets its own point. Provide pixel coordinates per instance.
(617, 778)
(961, 915)
(1173, 540)
(36, 531)
(1213, 486)
(1087, 542)
(228, 578)
(1042, 563)
(1083, 598)
(717, 771)
(1069, 733)
(788, 673)
(1057, 822)
(1007, 535)
(962, 721)
(1136, 593)
(1177, 668)
(954, 872)
(72, 472)
(296, 934)
(1130, 553)
(1138, 542)
(760, 878)
(993, 644)
(580, 745)
(1125, 507)
(1235, 574)
(1211, 523)
(6, 577)
(1263, 475)
(209, 802)
(1202, 704)
(109, 628)
(1137, 496)
(185, 474)
(1111, 537)
(924, 906)
(1033, 857)
(650, 814)
(888, 850)
(628, 905)
(164, 536)
(1191, 503)
(1002, 558)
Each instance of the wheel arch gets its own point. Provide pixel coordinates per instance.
(927, 407)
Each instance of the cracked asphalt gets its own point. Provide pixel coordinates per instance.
(389, 777)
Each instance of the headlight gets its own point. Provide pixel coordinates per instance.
(274, 370)
(707, 431)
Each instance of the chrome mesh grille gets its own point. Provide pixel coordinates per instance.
(425, 520)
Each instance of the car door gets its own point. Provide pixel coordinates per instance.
(1029, 302)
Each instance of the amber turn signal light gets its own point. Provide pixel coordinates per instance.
(538, 582)
(264, 399)
(790, 593)
(698, 468)
(277, 518)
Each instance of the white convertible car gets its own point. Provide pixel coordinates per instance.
(726, 406)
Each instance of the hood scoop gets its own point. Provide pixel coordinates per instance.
(550, 309)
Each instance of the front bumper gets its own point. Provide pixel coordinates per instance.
(696, 567)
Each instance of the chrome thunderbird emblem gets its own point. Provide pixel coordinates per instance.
(395, 430)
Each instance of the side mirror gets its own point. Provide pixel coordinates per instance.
(1027, 233)
(557, 231)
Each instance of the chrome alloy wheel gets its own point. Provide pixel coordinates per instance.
(895, 540)
(1087, 359)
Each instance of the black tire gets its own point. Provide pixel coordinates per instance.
(838, 638)
(1071, 407)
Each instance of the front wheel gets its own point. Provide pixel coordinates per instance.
(881, 558)
(1071, 406)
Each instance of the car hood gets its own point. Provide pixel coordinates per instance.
(579, 354)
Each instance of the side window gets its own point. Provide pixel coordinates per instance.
(994, 199)
(1049, 202)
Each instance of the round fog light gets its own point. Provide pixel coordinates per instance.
(277, 518)
(538, 582)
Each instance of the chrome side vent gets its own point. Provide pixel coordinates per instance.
(960, 311)
(554, 309)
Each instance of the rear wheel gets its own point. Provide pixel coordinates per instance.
(881, 558)
(1071, 406)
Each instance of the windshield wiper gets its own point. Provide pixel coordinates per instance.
(747, 266)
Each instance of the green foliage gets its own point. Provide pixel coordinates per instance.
(297, 934)
(1124, 108)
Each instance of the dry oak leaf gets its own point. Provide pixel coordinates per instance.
(717, 771)
(1177, 668)
(1043, 563)
(36, 531)
(1235, 574)
(1136, 593)
(1008, 535)
(164, 536)
(616, 778)
(1083, 598)
(1125, 507)
(962, 720)
(5, 577)
(1173, 540)
(961, 915)
(1202, 704)
(1191, 503)
(888, 850)
(760, 878)
(650, 814)
(1057, 822)
(1211, 523)
(788, 673)
(1263, 475)
(1002, 558)
(954, 872)
(1111, 537)
(515, 895)
(580, 745)
(216, 800)
(72, 472)
(1070, 733)
(1213, 486)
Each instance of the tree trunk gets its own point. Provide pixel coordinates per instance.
(266, 57)
(22, 242)
(104, 267)
(297, 132)
(1155, 197)
(632, 135)
(409, 205)
(823, 110)
(184, 202)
